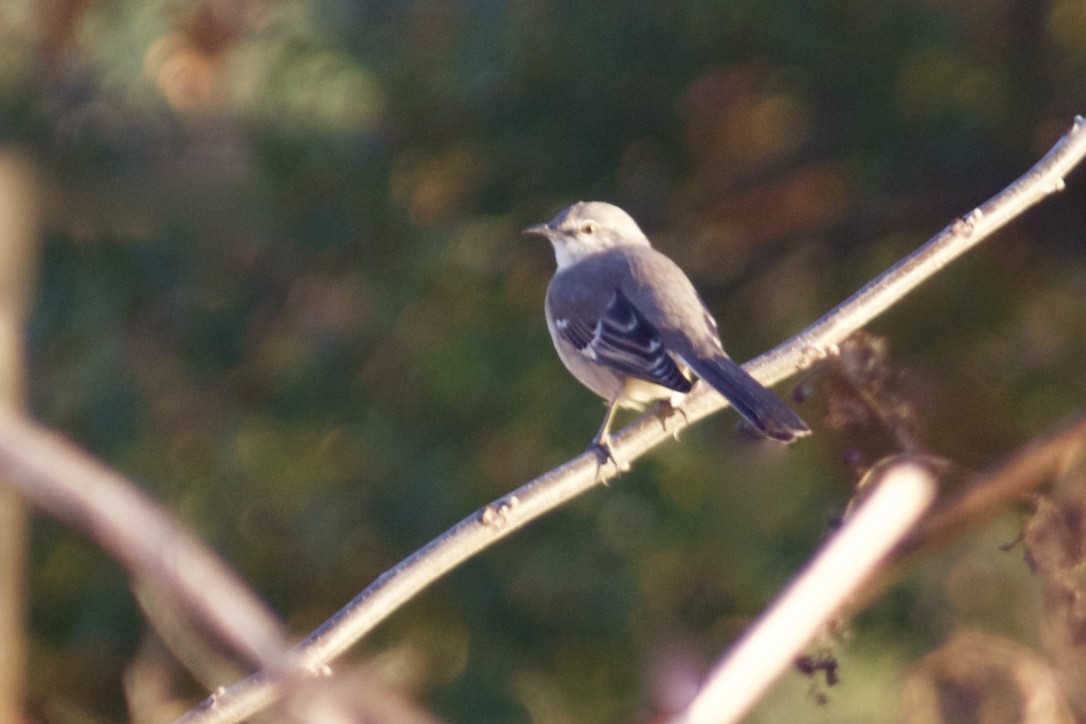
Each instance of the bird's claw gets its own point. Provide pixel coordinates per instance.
(663, 412)
(605, 454)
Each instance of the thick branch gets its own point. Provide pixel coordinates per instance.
(841, 566)
(545, 493)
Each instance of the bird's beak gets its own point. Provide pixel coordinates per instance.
(538, 230)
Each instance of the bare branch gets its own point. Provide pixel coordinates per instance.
(1016, 480)
(551, 490)
(848, 586)
(829, 580)
(75, 488)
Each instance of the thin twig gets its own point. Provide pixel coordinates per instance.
(1016, 479)
(545, 493)
(840, 567)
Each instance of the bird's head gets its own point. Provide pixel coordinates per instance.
(586, 228)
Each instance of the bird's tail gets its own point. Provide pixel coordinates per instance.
(759, 406)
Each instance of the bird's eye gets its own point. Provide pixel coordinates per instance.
(588, 228)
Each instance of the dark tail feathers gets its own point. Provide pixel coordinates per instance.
(759, 406)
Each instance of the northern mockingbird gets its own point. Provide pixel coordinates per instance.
(628, 324)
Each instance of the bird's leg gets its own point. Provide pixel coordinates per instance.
(601, 443)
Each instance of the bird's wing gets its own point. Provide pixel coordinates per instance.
(623, 339)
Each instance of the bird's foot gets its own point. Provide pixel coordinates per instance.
(601, 446)
(665, 410)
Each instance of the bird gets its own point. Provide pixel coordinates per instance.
(629, 325)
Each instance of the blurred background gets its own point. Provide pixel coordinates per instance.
(282, 285)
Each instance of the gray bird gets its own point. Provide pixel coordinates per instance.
(630, 326)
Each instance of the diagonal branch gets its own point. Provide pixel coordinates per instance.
(534, 499)
(856, 566)
(899, 497)
(152, 545)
